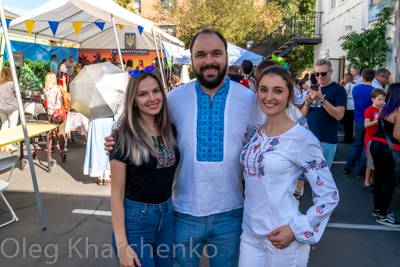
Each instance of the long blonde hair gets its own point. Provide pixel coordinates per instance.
(134, 139)
(5, 75)
(50, 80)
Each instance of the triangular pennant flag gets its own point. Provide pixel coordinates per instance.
(77, 26)
(140, 29)
(7, 22)
(54, 26)
(100, 25)
(120, 26)
(29, 25)
(152, 32)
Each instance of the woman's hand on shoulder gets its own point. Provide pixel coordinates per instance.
(109, 144)
(127, 256)
(281, 237)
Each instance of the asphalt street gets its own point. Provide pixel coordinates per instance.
(77, 216)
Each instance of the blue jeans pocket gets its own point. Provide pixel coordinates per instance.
(133, 215)
(236, 212)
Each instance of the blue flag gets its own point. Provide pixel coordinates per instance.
(54, 26)
(140, 29)
(100, 25)
(7, 22)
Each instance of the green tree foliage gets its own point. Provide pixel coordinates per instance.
(368, 49)
(124, 4)
(31, 75)
(300, 58)
(238, 20)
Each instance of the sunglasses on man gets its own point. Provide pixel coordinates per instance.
(323, 74)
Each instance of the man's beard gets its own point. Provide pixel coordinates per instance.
(217, 81)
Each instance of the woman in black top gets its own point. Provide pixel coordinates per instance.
(384, 182)
(143, 165)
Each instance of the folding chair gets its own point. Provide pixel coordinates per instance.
(5, 163)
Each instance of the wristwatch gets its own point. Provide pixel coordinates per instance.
(322, 101)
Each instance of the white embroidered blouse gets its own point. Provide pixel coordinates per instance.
(271, 168)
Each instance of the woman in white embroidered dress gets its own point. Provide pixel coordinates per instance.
(275, 233)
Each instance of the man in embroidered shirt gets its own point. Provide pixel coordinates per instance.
(325, 108)
(381, 77)
(212, 117)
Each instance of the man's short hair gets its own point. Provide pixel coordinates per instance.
(53, 57)
(247, 66)
(324, 61)
(382, 72)
(368, 74)
(71, 57)
(377, 92)
(355, 68)
(208, 31)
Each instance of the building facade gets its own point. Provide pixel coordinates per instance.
(341, 17)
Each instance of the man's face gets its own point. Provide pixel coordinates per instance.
(353, 72)
(71, 59)
(320, 71)
(54, 58)
(209, 60)
(382, 79)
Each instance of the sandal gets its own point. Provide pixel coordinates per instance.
(100, 181)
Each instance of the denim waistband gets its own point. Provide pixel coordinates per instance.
(145, 207)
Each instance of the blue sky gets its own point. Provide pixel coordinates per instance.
(21, 7)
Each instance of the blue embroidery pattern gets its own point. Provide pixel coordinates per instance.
(210, 123)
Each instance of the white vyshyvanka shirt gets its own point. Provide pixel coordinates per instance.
(271, 173)
(210, 139)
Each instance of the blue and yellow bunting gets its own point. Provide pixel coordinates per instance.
(140, 28)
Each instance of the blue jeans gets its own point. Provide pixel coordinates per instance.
(220, 233)
(150, 232)
(357, 152)
(328, 151)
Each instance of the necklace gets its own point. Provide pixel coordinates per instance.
(159, 145)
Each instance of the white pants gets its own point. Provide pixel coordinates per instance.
(8, 119)
(257, 252)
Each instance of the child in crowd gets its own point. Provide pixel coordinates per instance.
(371, 125)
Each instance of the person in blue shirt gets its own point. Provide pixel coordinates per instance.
(362, 100)
(324, 108)
(53, 65)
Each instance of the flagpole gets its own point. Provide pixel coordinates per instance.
(116, 39)
(159, 62)
(21, 115)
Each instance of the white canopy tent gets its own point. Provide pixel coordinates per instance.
(236, 55)
(91, 36)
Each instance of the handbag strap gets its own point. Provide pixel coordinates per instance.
(387, 137)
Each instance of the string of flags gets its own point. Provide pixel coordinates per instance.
(30, 24)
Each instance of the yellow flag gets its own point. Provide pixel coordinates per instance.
(29, 25)
(120, 26)
(77, 26)
(152, 32)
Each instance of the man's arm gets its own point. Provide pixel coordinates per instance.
(336, 112)
(306, 107)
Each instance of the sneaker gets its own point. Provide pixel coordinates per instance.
(368, 188)
(389, 220)
(375, 213)
(346, 170)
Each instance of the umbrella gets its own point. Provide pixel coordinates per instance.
(98, 90)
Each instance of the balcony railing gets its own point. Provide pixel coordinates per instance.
(302, 24)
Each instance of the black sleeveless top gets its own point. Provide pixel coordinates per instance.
(389, 131)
